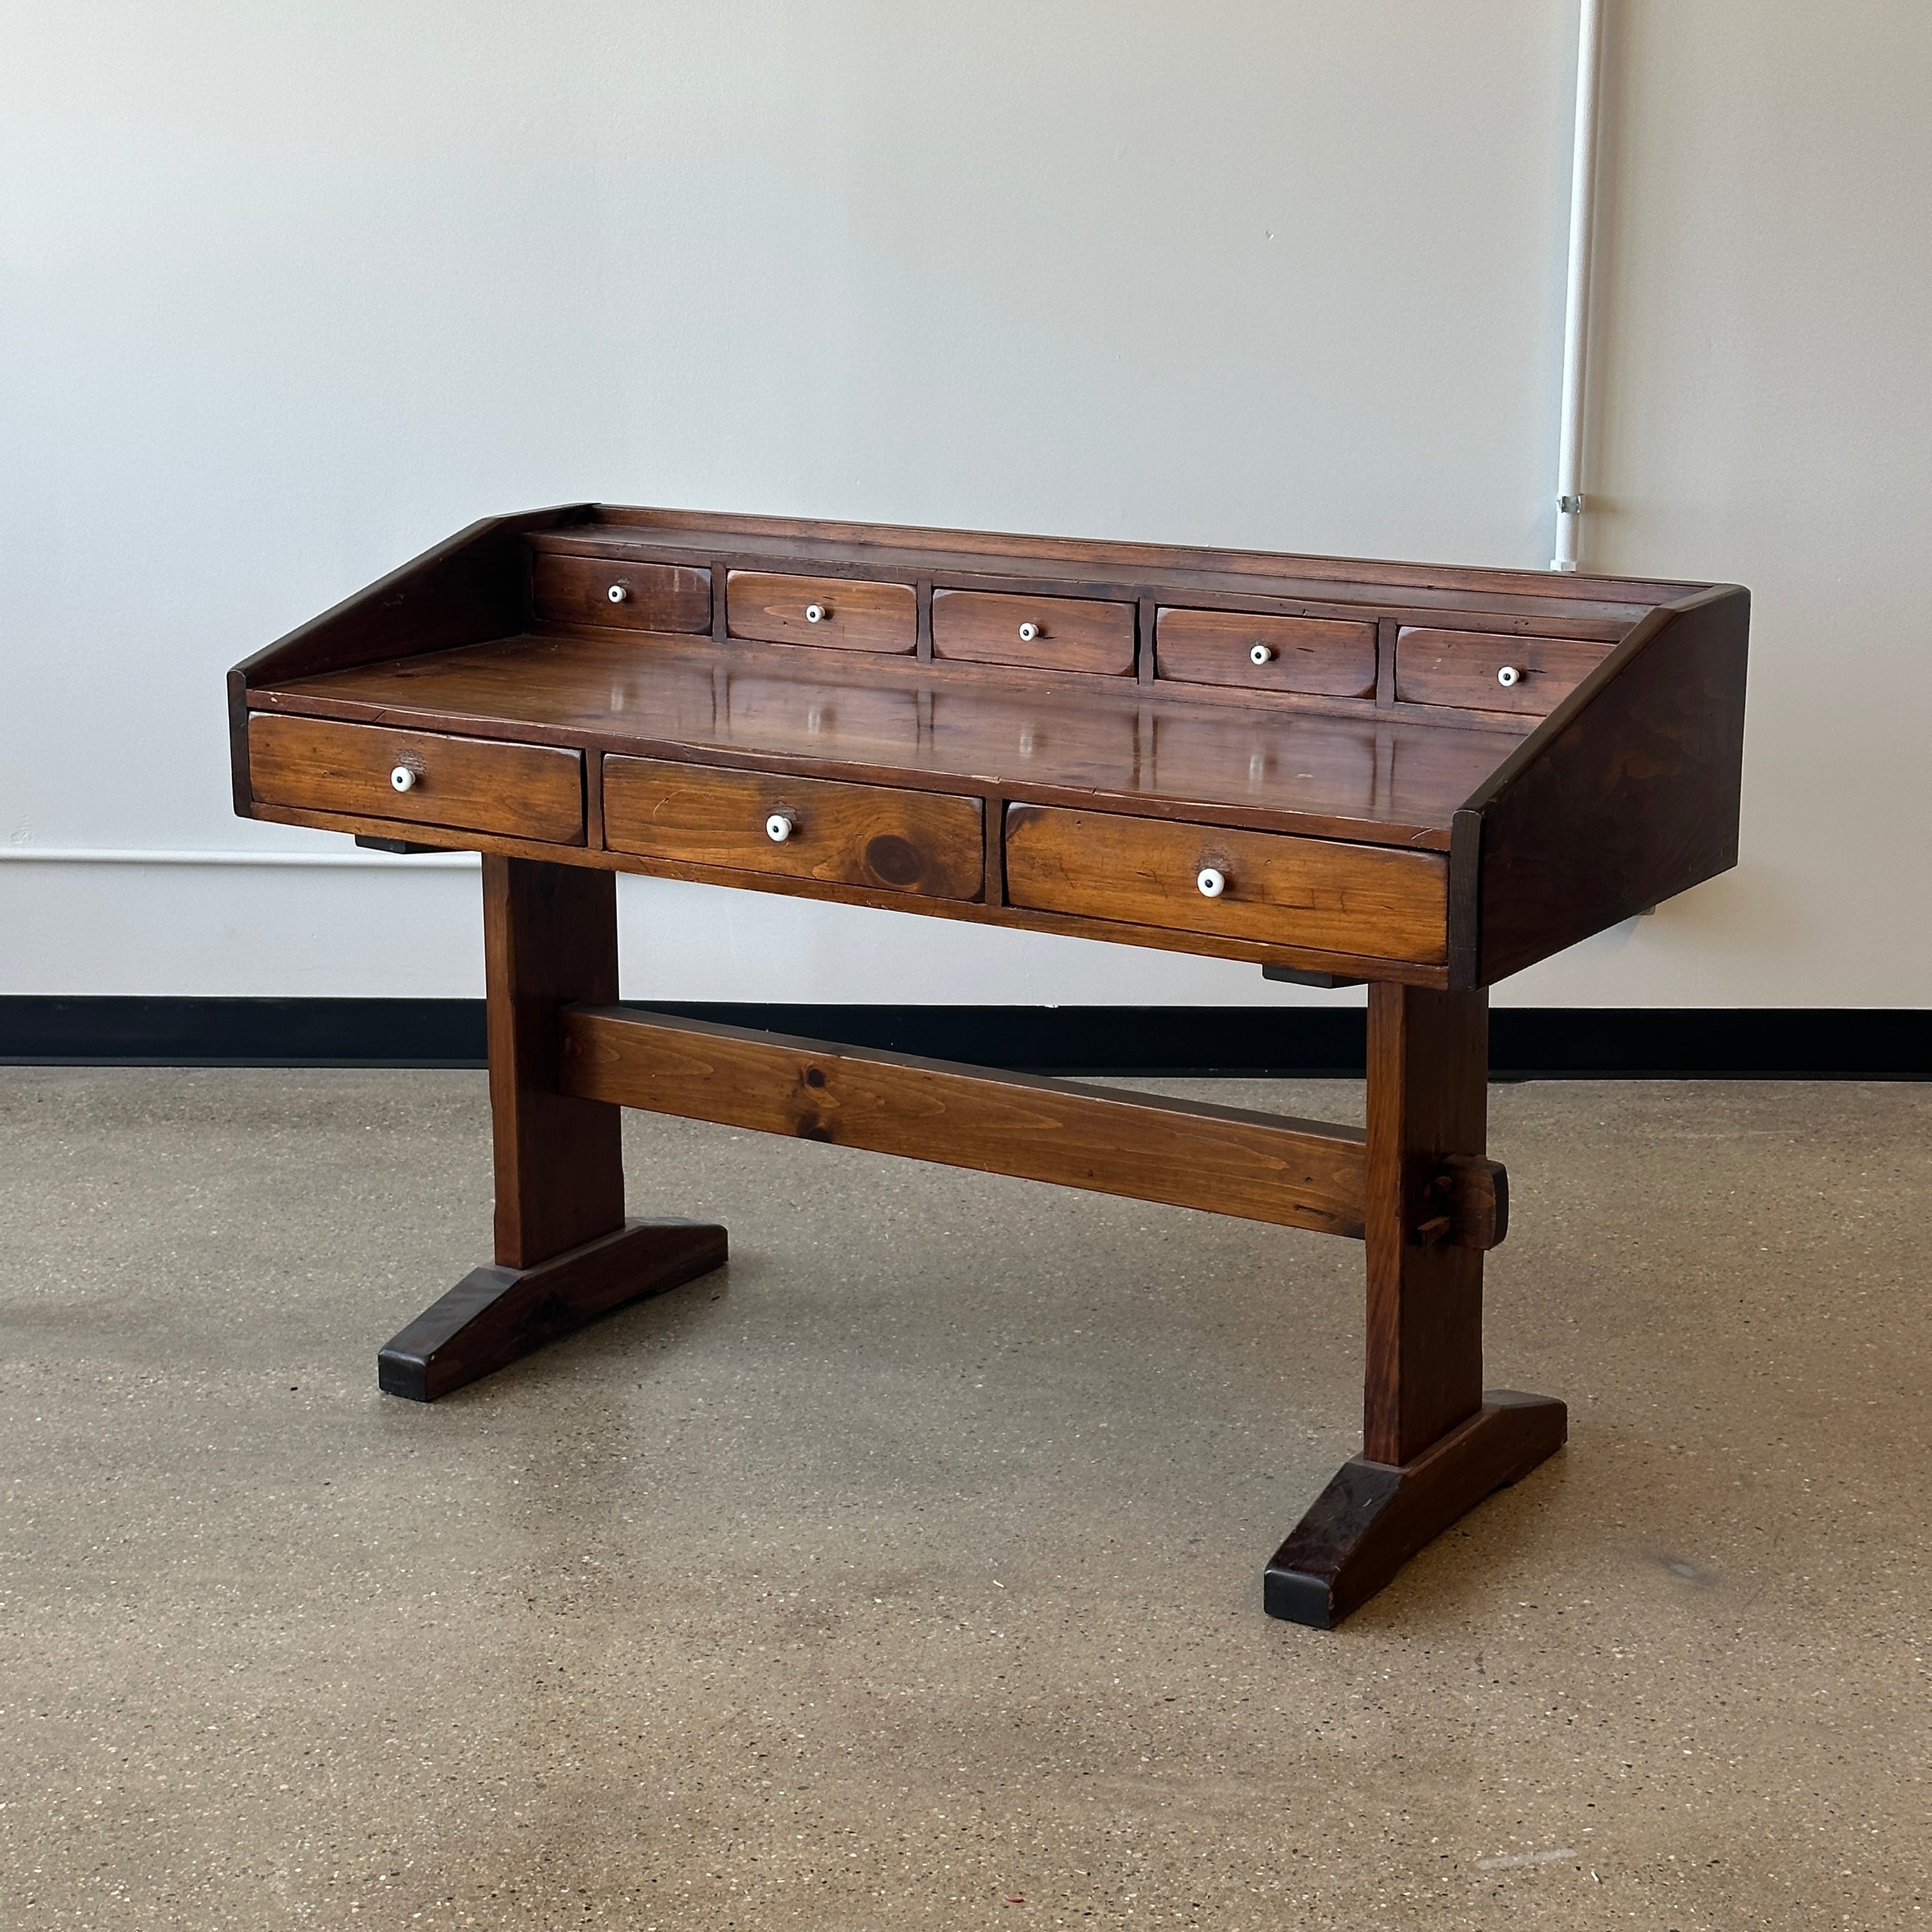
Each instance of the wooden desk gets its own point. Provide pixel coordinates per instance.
(1423, 778)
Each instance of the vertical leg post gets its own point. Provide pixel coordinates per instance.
(1433, 1444)
(565, 1254)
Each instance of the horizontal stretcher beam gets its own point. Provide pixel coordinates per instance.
(1257, 1167)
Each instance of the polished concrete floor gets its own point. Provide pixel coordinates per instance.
(908, 1574)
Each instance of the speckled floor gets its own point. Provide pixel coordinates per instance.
(909, 1574)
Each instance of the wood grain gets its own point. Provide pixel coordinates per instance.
(549, 938)
(1428, 1100)
(1316, 655)
(1075, 633)
(1258, 1167)
(657, 596)
(1460, 667)
(917, 842)
(859, 615)
(1302, 892)
(527, 791)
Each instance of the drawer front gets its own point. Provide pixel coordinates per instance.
(1056, 633)
(852, 615)
(1322, 657)
(474, 784)
(1473, 668)
(924, 843)
(1316, 893)
(632, 596)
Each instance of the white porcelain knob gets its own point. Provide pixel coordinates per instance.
(1261, 654)
(1028, 632)
(1213, 883)
(403, 778)
(816, 613)
(1508, 676)
(780, 826)
(619, 593)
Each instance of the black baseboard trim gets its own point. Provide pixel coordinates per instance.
(1526, 1042)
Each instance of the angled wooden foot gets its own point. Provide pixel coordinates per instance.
(1374, 1516)
(494, 1314)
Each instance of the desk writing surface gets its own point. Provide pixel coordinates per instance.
(1385, 782)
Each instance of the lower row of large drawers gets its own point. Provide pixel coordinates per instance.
(1323, 894)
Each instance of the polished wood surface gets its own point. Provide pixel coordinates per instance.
(1069, 633)
(1428, 1096)
(1467, 668)
(1051, 734)
(1313, 892)
(871, 835)
(853, 614)
(650, 596)
(527, 791)
(1318, 656)
(1257, 1167)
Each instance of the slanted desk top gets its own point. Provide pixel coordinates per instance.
(1424, 778)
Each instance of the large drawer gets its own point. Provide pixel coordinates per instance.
(1318, 893)
(631, 596)
(930, 844)
(369, 771)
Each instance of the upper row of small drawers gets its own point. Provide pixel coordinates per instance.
(1313, 656)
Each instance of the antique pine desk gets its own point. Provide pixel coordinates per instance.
(1421, 778)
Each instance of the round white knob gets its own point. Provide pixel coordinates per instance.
(1261, 654)
(816, 613)
(403, 778)
(1508, 676)
(1028, 632)
(780, 826)
(1213, 883)
(619, 593)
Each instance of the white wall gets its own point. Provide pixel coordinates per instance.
(293, 290)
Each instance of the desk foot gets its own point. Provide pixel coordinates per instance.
(1374, 1516)
(494, 1314)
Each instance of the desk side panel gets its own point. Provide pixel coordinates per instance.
(473, 586)
(1629, 795)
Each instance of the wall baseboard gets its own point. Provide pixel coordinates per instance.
(1526, 1042)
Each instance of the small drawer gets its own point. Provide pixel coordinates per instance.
(1373, 901)
(367, 771)
(631, 596)
(927, 844)
(1321, 657)
(1483, 670)
(840, 614)
(1056, 633)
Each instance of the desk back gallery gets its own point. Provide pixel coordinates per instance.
(1423, 778)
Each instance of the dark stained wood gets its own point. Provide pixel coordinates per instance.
(1073, 634)
(894, 840)
(1305, 892)
(654, 596)
(1373, 1517)
(528, 791)
(1464, 667)
(1317, 655)
(1474, 1193)
(1258, 1167)
(1428, 1098)
(857, 615)
(549, 938)
(1628, 794)
(495, 1314)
